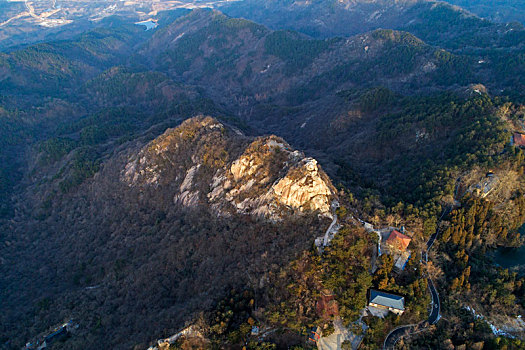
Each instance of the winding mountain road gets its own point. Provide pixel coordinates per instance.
(399, 332)
(436, 306)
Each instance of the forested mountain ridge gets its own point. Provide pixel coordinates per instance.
(118, 207)
(266, 179)
(47, 66)
(244, 65)
(500, 11)
(238, 74)
(438, 23)
(145, 205)
(216, 46)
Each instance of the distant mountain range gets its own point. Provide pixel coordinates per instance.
(32, 21)
(497, 11)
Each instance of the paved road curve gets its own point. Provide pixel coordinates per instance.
(436, 306)
(396, 334)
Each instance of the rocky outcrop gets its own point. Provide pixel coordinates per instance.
(308, 189)
(187, 197)
(271, 179)
(171, 151)
(204, 162)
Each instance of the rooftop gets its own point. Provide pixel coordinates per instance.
(398, 240)
(386, 299)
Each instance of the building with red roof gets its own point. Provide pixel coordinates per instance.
(398, 241)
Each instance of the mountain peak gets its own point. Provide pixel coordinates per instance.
(206, 163)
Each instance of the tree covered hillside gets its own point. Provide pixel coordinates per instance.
(217, 173)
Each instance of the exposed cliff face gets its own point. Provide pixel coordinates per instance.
(205, 163)
(309, 191)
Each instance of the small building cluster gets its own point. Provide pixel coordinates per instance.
(394, 242)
